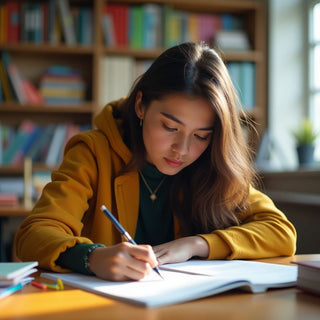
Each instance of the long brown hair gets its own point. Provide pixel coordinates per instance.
(211, 193)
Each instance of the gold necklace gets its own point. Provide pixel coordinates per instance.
(153, 195)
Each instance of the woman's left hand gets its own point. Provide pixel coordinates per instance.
(181, 250)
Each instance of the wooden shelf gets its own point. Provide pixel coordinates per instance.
(48, 48)
(13, 211)
(7, 170)
(232, 6)
(33, 59)
(15, 107)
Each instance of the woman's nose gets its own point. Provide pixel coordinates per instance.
(181, 145)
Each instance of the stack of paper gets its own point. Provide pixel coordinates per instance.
(14, 275)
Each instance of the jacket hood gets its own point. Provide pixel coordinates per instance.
(109, 121)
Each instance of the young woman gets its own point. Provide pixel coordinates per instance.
(170, 162)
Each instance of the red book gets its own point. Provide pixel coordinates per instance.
(9, 199)
(119, 14)
(32, 94)
(13, 21)
(45, 30)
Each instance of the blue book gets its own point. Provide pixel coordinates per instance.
(19, 156)
(40, 144)
(7, 291)
(234, 69)
(248, 85)
(56, 145)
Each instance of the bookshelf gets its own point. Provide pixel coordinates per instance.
(32, 59)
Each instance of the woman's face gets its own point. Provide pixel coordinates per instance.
(176, 131)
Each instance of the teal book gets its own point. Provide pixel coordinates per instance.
(12, 273)
(21, 135)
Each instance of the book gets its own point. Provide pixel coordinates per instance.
(67, 22)
(136, 26)
(3, 23)
(114, 70)
(7, 291)
(152, 35)
(14, 77)
(21, 135)
(119, 18)
(5, 85)
(108, 30)
(248, 85)
(309, 276)
(13, 21)
(26, 145)
(187, 281)
(33, 95)
(85, 26)
(12, 273)
(39, 148)
(56, 145)
(232, 40)
(9, 199)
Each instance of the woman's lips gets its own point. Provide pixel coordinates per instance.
(174, 163)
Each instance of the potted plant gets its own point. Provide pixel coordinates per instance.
(305, 137)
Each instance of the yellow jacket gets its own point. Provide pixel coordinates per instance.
(68, 211)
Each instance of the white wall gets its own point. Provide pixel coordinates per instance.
(287, 77)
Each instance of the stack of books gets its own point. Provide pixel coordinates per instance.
(309, 276)
(62, 85)
(14, 275)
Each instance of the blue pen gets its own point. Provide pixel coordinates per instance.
(123, 231)
(4, 292)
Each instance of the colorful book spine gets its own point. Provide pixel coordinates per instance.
(5, 85)
(3, 23)
(56, 145)
(152, 27)
(13, 21)
(21, 153)
(21, 135)
(136, 27)
(67, 22)
(248, 85)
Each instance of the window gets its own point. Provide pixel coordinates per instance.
(314, 67)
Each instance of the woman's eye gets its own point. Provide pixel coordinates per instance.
(168, 128)
(202, 138)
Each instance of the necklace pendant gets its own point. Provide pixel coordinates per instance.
(153, 197)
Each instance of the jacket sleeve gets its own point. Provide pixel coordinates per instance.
(55, 222)
(264, 232)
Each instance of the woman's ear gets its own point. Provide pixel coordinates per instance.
(138, 106)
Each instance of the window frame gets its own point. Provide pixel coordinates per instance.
(312, 91)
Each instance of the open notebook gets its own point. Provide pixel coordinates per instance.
(187, 281)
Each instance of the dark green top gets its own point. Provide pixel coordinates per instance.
(155, 222)
(154, 226)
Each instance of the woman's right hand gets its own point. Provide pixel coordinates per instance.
(123, 261)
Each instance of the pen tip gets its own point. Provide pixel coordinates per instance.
(156, 269)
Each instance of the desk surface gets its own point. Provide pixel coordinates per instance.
(284, 304)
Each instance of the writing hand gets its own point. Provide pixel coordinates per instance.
(122, 262)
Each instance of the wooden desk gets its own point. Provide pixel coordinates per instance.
(284, 304)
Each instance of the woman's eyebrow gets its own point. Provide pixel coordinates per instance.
(170, 116)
